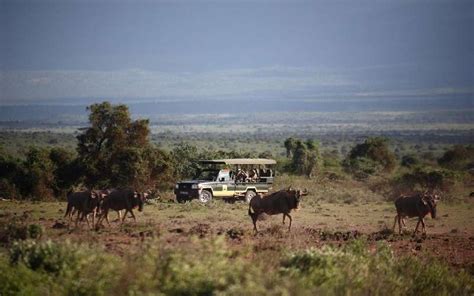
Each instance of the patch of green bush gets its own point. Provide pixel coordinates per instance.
(211, 267)
(357, 271)
(68, 268)
(17, 230)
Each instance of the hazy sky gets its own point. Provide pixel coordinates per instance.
(233, 49)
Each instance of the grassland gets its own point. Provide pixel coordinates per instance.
(216, 241)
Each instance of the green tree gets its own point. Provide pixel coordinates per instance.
(290, 145)
(67, 170)
(458, 158)
(370, 157)
(10, 172)
(185, 157)
(305, 157)
(37, 180)
(114, 151)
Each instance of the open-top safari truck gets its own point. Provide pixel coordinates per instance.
(235, 177)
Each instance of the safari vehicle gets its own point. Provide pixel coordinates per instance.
(236, 177)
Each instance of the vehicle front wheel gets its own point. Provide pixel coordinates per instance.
(249, 195)
(205, 196)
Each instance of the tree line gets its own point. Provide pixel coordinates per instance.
(116, 151)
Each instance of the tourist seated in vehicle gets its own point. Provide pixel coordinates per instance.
(241, 176)
(253, 176)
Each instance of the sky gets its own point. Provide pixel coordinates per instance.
(179, 50)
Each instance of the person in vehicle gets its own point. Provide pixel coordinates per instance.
(241, 176)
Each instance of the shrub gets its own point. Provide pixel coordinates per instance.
(210, 268)
(422, 179)
(355, 270)
(370, 157)
(458, 158)
(409, 161)
(16, 230)
(70, 269)
(47, 256)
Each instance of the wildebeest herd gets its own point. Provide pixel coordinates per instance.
(98, 203)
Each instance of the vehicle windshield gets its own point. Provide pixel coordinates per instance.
(208, 175)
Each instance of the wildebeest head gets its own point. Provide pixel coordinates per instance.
(297, 194)
(93, 201)
(430, 200)
(140, 198)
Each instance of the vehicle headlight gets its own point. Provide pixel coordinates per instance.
(195, 186)
(176, 186)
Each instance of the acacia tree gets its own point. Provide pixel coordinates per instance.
(290, 145)
(115, 151)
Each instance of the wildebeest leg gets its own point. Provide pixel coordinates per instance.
(254, 217)
(107, 218)
(399, 218)
(417, 225)
(71, 214)
(104, 213)
(423, 229)
(77, 218)
(93, 219)
(133, 215)
(394, 223)
(289, 217)
(124, 216)
(284, 218)
(87, 219)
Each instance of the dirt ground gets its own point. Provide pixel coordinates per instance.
(450, 237)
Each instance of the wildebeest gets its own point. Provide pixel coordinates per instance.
(280, 202)
(122, 199)
(83, 203)
(418, 205)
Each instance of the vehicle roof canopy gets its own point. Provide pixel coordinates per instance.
(239, 161)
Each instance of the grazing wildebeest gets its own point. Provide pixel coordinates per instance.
(418, 205)
(84, 203)
(122, 199)
(280, 202)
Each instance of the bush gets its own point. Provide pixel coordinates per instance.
(66, 268)
(458, 158)
(422, 179)
(409, 161)
(370, 157)
(47, 256)
(211, 267)
(16, 230)
(355, 270)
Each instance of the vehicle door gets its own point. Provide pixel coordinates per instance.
(226, 184)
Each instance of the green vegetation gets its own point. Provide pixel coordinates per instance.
(214, 268)
(372, 156)
(116, 151)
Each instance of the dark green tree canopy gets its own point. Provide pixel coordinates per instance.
(115, 150)
(369, 157)
(290, 145)
(305, 155)
(458, 158)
